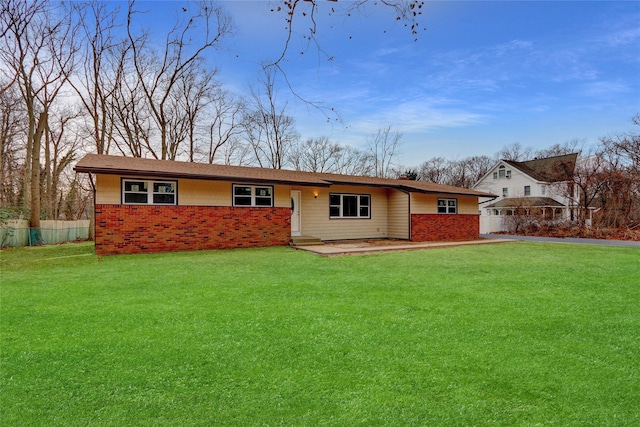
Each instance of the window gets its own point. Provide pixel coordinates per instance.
(252, 195)
(145, 192)
(447, 206)
(502, 173)
(543, 189)
(505, 192)
(527, 190)
(349, 205)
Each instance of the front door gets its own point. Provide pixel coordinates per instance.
(295, 213)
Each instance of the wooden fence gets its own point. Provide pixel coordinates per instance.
(16, 232)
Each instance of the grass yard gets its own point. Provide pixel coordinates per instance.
(514, 334)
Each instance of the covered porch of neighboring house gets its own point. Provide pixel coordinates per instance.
(510, 214)
(544, 208)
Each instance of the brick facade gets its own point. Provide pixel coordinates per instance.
(443, 227)
(126, 229)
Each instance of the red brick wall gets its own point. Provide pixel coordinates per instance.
(125, 229)
(442, 227)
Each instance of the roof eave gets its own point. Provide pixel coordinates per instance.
(176, 175)
(443, 191)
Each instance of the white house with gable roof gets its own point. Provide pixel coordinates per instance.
(540, 189)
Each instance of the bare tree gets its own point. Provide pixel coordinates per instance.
(352, 161)
(237, 153)
(133, 129)
(159, 73)
(589, 182)
(515, 152)
(479, 166)
(626, 147)
(12, 132)
(186, 107)
(34, 202)
(572, 146)
(303, 14)
(434, 170)
(621, 200)
(38, 51)
(60, 152)
(301, 19)
(99, 74)
(316, 155)
(383, 149)
(270, 132)
(225, 112)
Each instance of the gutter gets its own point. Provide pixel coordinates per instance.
(177, 175)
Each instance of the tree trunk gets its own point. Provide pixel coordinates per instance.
(48, 197)
(35, 173)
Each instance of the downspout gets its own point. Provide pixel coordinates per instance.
(409, 213)
(92, 229)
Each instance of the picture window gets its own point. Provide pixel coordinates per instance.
(349, 205)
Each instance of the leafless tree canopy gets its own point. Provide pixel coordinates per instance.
(383, 148)
(270, 132)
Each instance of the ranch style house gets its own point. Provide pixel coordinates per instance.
(145, 205)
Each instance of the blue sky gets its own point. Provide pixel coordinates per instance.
(482, 75)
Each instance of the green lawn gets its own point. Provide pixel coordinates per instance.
(508, 334)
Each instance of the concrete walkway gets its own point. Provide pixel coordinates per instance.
(362, 248)
(573, 240)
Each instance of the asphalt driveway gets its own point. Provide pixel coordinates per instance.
(563, 240)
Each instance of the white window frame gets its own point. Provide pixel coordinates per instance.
(450, 206)
(150, 191)
(527, 190)
(505, 191)
(254, 197)
(360, 206)
(502, 173)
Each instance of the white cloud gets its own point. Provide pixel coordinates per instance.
(605, 89)
(416, 115)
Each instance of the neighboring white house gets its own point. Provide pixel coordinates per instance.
(539, 188)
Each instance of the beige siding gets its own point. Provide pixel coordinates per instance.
(424, 203)
(282, 196)
(315, 214)
(196, 192)
(191, 192)
(428, 203)
(108, 190)
(468, 205)
(398, 214)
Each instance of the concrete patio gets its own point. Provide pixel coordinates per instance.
(363, 247)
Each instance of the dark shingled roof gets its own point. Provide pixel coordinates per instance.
(526, 202)
(548, 169)
(128, 166)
